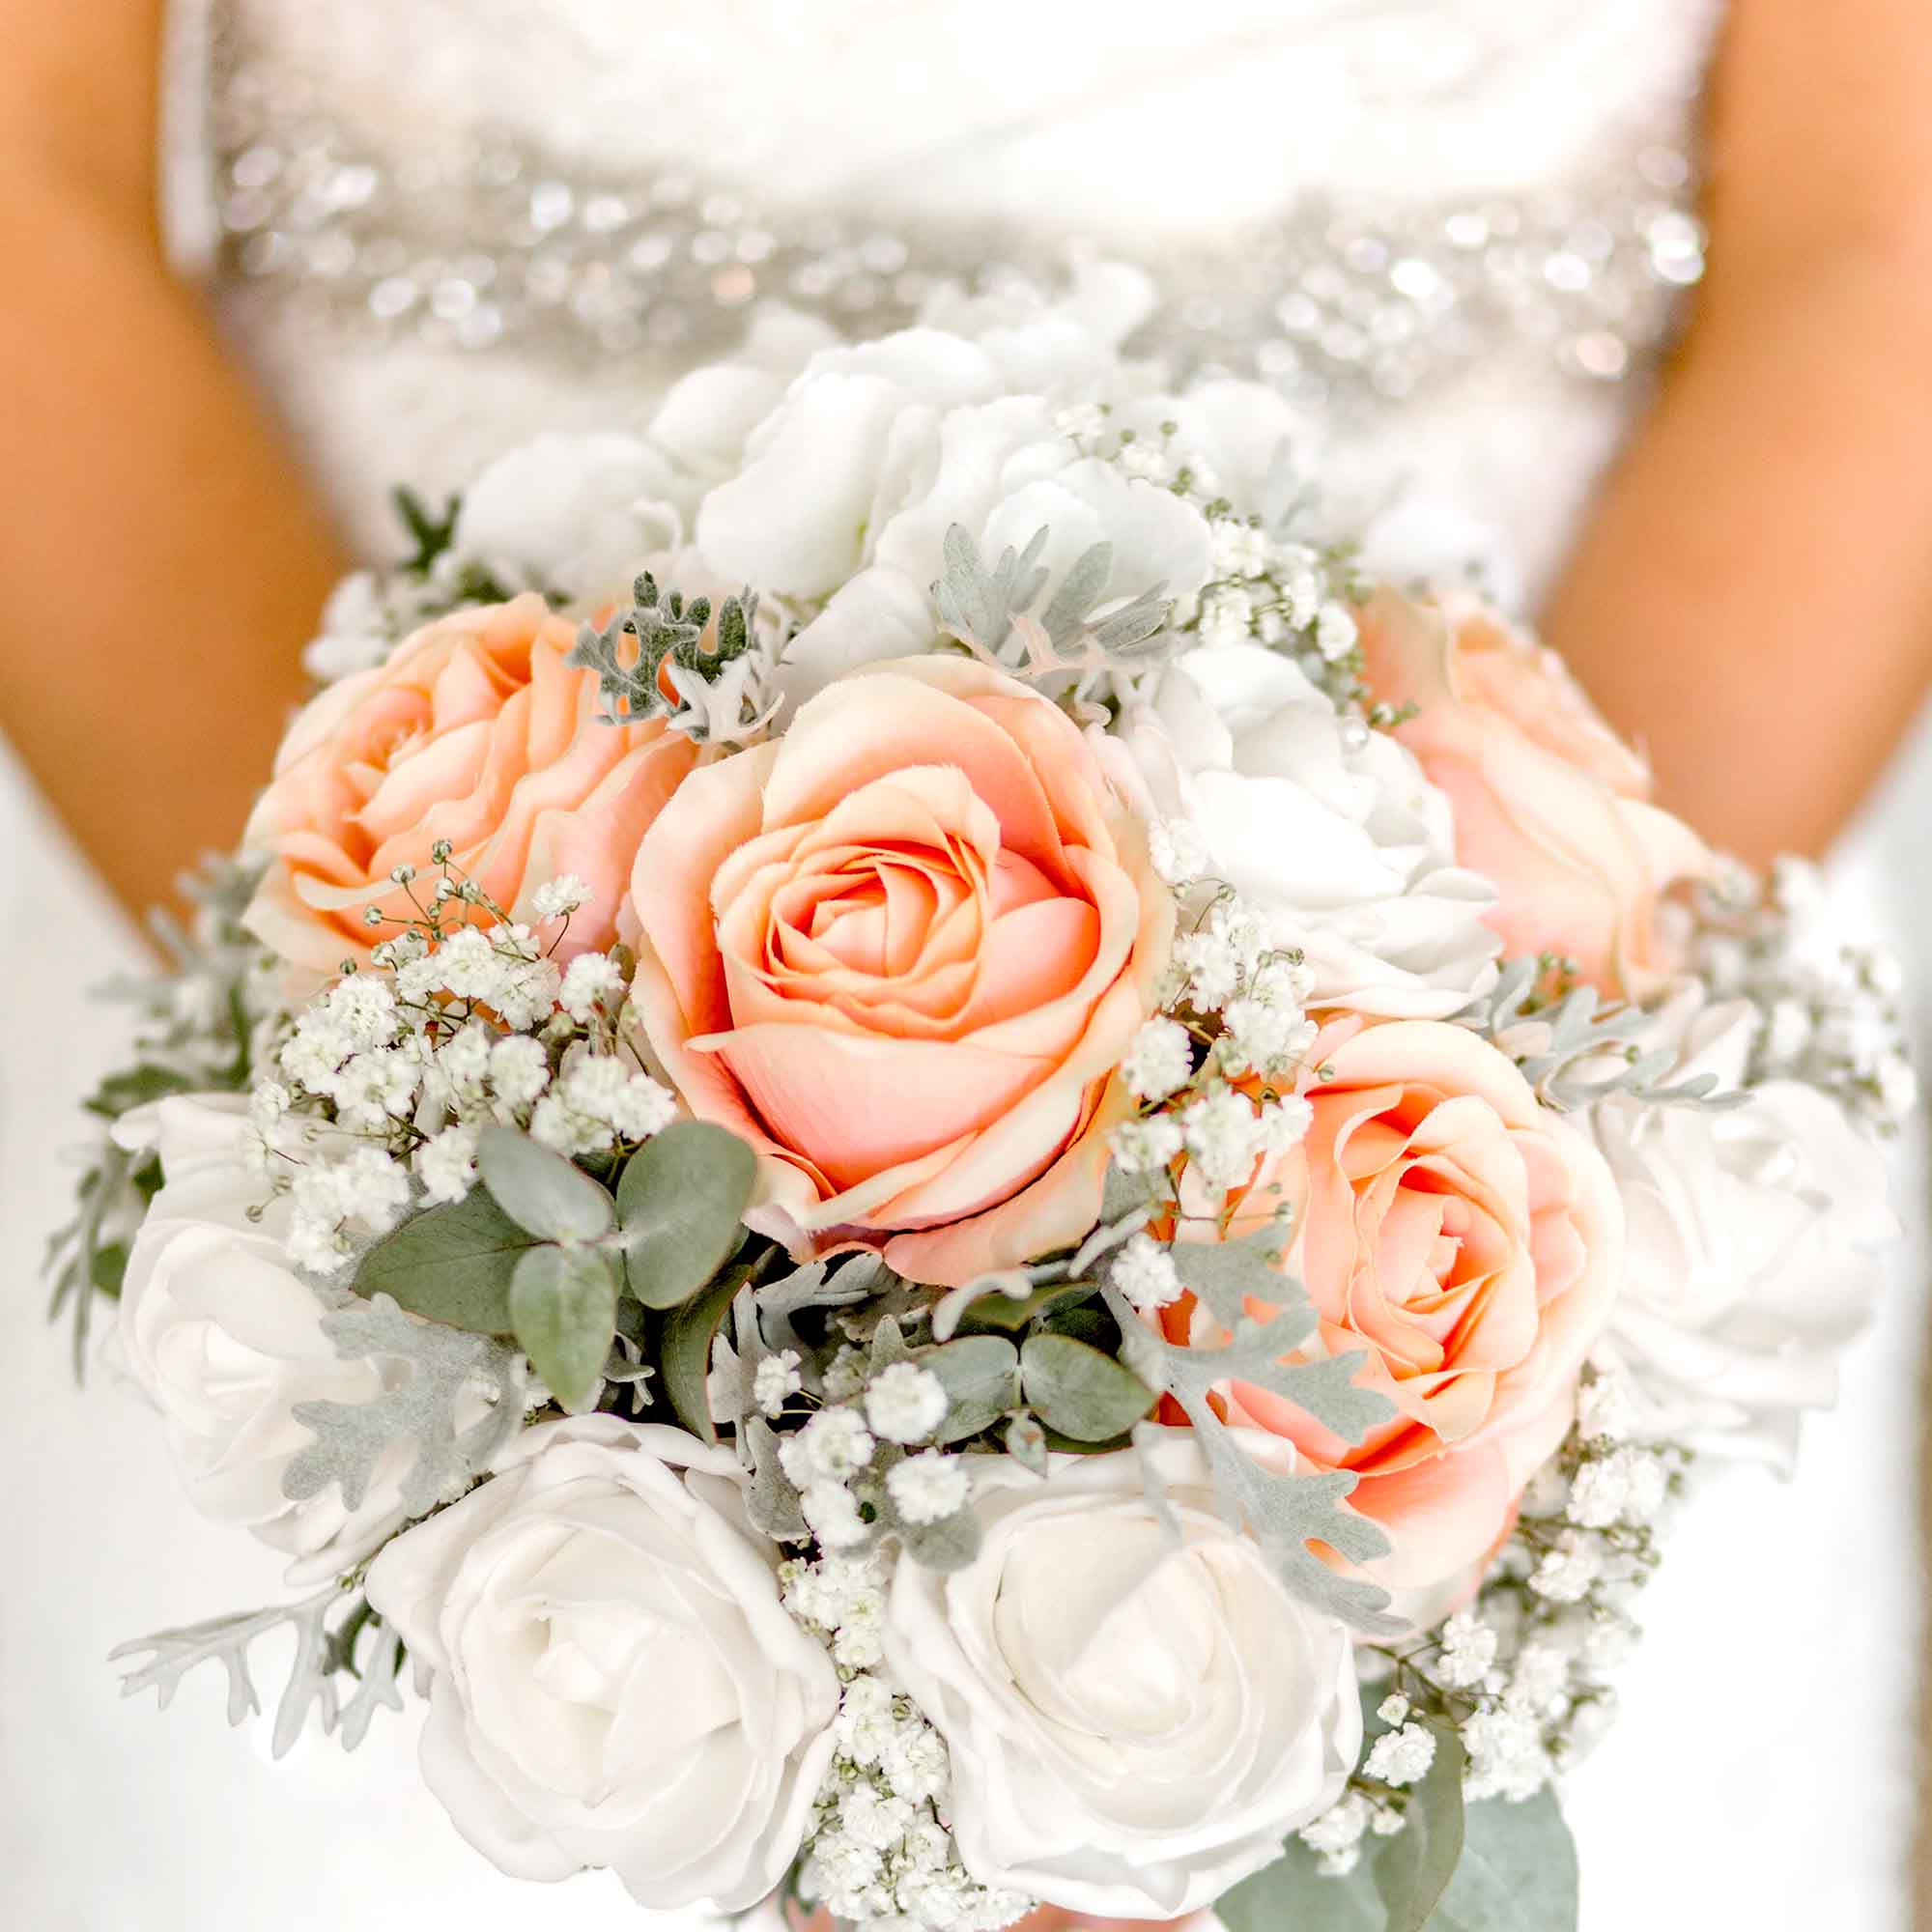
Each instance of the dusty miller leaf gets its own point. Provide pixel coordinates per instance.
(1577, 1052)
(984, 609)
(1283, 1513)
(813, 1286)
(323, 1651)
(440, 1365)
(772, 1500)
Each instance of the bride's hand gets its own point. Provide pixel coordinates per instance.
(1753, 597)
(161, 560)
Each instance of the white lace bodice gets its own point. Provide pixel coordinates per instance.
(1452, 228)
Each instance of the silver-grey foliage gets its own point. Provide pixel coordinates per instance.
(418, 1405)
(1578, 1051)
(982, 607)
(1284, 1512)
(336, 1634)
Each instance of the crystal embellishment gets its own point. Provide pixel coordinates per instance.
(489, 243)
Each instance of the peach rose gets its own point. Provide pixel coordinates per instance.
(1445, 1223)
(1548, 802)
(474, 731)
(900, 950)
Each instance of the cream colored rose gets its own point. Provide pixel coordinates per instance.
(900, 952)
(476, 731)
(1134, 1725)
(614, 1682)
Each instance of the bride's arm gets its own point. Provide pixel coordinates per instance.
(1754, 597)
(161, 562)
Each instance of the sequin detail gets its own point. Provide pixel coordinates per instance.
(491, 245)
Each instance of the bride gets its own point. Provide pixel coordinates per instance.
(402, 234)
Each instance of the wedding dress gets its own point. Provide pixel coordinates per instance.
(1453, 230)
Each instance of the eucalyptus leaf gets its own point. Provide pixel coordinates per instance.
(1000, 1314)
(680, 1205)
(685, 1353)
(1293, 1895)
(1414, 1868)
(1080, 1392)
(451, 1264)
(1517, 1871)
(981, 1374)
(540, 1190)
(564, 1302)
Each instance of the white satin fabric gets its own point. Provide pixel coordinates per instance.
(1761, 1774)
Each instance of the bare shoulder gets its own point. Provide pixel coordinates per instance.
(77, 89)
(1820, 133)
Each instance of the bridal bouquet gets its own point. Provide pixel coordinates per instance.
(943, 1178)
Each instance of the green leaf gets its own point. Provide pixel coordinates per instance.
(120, 1093)
(995, 1312)
(681, 1206)
(107, 1266)
(1518, 1872)
(1080, 1392)
(685, 1353)
(540, 1190)
(1414, 1868)
(563, 1304)
(450, 1264)
(982, 1373)
(1293, 1895)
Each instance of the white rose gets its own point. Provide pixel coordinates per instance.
(903, 437)
(1749, 1258)
(575, 514)
(1134, 1725)
(614, 1681)
(226, 1339)
(1325, 827)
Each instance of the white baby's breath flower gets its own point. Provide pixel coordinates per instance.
(556, 897)
(1393, 1709)
(775, 1380)
(592, 984)
(364, 1189)
(1468, 1651)
(928, 1487)
(1402, 1756)
(1223, 1135)
(1159, 1060)
(1143, 1147)
(1335, 632)
(1144, 1271)
(905, 1403)
(518, 1071)
(832, 1446)
(1566, 1572)
(446, 1163)
(833, 1513)
(1177, 851)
